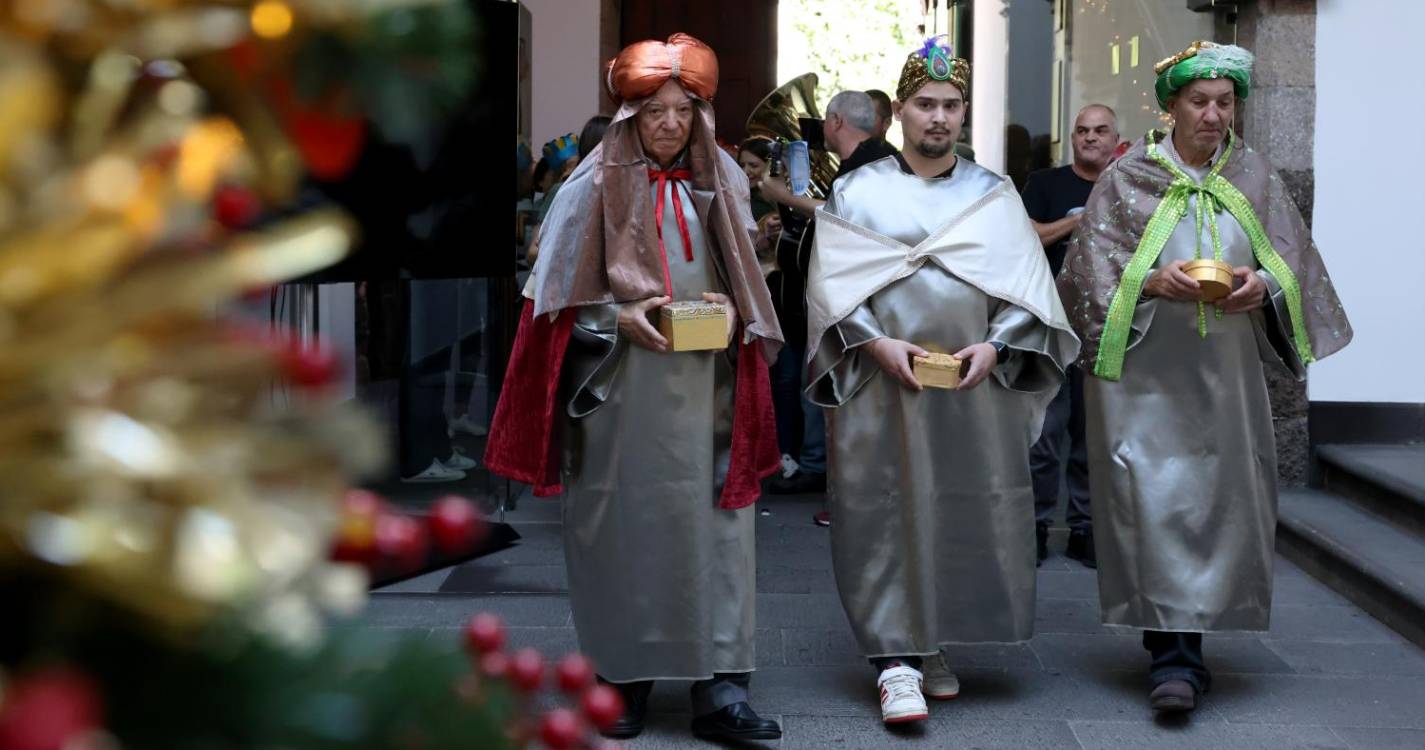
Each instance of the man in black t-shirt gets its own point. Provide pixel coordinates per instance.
(1054, 199)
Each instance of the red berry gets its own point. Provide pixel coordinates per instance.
(602, 705)
(494, 664)
(527, 669)
(258, 293)
(236, 207)
(356, 535)
(46, 710)
(560, 729)
(309, 366)
(400, 541)
(347, 551)
(484, 633)
(575, 672)
(455, 524)
(359, 502)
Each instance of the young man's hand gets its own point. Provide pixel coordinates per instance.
(893, 356)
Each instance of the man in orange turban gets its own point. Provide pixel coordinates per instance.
(658, 454)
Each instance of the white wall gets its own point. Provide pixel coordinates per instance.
(564, 67)
(989, 83)
(1369, 195)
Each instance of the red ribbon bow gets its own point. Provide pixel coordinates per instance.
(662, 177)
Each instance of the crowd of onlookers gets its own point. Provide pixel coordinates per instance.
(539, 181)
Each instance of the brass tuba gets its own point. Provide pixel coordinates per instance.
(776, 117)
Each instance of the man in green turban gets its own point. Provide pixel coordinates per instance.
(1182, 460)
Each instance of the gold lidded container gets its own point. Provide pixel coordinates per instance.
(937, 370)
(1214, 276)
(694, 325)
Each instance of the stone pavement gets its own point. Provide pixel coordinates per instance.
(1326, 676)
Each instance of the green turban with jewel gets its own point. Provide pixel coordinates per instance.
(1204, 60)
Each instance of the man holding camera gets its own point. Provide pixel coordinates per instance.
(851, 131)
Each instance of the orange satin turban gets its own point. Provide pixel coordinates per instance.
(642, 67)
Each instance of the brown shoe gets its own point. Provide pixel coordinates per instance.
(1173, 696)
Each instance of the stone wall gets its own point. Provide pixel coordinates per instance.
(1279, 120)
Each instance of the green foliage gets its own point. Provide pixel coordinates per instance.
(227, 689)
(361, 689)
(848, 45)
(407, 67)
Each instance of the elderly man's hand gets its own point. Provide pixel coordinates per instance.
(726, 302)
(633, 323)
(893, 356)
(1170, 282)
(1248, 297)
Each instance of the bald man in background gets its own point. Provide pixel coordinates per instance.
(1054, 199)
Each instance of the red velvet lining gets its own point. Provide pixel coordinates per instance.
(754, 431)
(523, 445)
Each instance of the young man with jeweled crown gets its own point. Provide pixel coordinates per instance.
(916, 253)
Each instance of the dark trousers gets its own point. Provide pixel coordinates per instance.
(715, 694)
(1063, 442)
(882, 663)
(801, 427)
(1177, 656)
(786, 375)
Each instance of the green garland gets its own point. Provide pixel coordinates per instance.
(1213, 193)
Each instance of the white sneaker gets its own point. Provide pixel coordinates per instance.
(459, 461)
(465, 424)
(436, 472)
(901, 699)
(940, 683)
(789, 466)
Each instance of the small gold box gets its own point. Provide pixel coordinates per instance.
(1213, 276)
(693, 326)
(936, 370)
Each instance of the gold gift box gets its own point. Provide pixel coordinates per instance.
(936, 370)
(1214, 276)
(693, 326)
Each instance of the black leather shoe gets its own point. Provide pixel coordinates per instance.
(800, 483)
(735, 722)
(635, 708)
(1081, 548)
(1173, 697)
(1041, 544)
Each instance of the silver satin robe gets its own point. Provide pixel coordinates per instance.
(661, 581)
(1182, 459)
(930, 492)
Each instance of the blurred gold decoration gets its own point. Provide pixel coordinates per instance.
(271, 19)
(141, 459)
